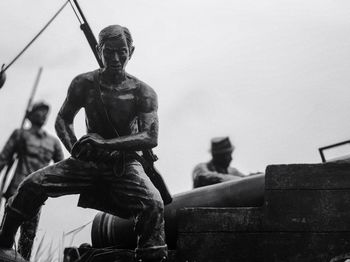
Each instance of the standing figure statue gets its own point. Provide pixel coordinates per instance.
(35, 148)
(105, 166)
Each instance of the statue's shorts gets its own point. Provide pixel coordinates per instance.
(132, 195)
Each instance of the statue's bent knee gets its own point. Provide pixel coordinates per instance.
(155, 206)
(32, 182)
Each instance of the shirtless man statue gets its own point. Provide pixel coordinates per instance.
(121, 120)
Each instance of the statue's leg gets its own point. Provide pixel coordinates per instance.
(133, 193)
(9, 226)
(28, 231)
(66, 177)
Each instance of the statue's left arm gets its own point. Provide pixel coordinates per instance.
(58, 153)
(12, 145)
(147, 136)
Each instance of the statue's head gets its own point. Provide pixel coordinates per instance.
(38, 113)
(221, 150)
(115, 47)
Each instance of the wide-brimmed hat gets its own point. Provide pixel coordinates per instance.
(39, 105)
(220, 145)
(36, 106)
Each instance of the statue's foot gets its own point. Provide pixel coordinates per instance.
(10, 255)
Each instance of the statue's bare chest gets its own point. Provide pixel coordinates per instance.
(119, 101)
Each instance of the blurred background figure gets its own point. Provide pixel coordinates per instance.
(218, 169)
(35, 149)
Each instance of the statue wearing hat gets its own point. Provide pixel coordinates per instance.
(35, 149)
(218, 169)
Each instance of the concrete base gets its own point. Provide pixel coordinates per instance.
(104, 255)
(304, 218)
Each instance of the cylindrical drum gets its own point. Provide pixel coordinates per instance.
(108, 230)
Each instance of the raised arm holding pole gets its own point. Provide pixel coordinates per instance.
(34, 148)
(15, 155)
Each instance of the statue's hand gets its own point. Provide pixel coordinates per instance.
(93, 139)
(88, 148)
(104, 156)
(81, 152)
(85, 149)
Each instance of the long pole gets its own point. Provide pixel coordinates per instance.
(14, 158)
(30, 100)
(85, 27)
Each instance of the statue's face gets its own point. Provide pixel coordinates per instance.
(223, 160)
(39, 116)
(115, 55)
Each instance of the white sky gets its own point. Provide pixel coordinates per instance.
(273, 75)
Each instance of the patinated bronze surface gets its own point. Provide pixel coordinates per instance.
(130, 103)
(121, 119)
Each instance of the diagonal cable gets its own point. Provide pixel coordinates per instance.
(35, 37)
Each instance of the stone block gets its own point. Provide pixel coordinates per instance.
(219, 247)
(261, 246)
(219, 219)
(307, 210)
(308, 176)
(304, 246)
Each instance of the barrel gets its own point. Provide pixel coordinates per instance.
(108, 230)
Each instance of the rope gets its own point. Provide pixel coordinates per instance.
(35, 37)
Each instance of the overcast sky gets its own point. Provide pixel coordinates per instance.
(273, 75)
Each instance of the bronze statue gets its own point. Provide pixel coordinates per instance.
(35, 148)
(218, 169)
(104, 167)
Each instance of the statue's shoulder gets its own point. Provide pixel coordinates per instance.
(201, 166)
(86, 78)
(146, 97)
(17, 133)
(21, 133)
(51, 137)
(140, 86)
(144, 92)
(82, 83)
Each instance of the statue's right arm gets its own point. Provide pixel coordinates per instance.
(65, 119)
(203, 176)
(9, 149)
